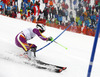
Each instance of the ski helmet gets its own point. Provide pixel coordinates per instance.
(41, 27)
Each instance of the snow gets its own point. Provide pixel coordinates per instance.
(75, 58)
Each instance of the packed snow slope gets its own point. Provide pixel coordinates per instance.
(75, 58)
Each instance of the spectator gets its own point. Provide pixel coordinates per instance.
(66, 13)
(31, 7)
(81, 10)
(56, 15)
(18, 15)
(77, 19)
(54, 1)
(32, 17)
(11, 2)
(58, 6)
(51, 3)
(33, 1)
(43, 1)
(64, 1)
(22, 4)
(96, 2)
(8, 10)
(16, 2)
(34, 21)
(97, 17)
(59, 11)
(60, 19)
(2, 6)
(24, 8)
(5, 11)
(70, 4)
(13, 14)
(46, 2)
(28, 1)
(50, 11)
(93, 19)
(41, 15)
(25, 1)
(23, 16)
(46, 11)
(28, 13)
(53, 11)
(93, 7)
(85, 14)
(97, 7)
(59, 1)
(82, 17)
(56, 21)
(79, 23)
(66, 6)
(87, 23)
(63, 5)
(71, 16)
(28, 7)
(14, 9)
(37, 3)
(72, 19)
(90, 8)
(87, 7)
(75, 8)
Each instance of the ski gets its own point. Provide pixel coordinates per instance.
(34, 63)
(39, 66)
(43, 65)
(47, 64)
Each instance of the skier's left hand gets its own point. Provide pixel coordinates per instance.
(50, 38)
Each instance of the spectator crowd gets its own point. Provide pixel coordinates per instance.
(56, 13)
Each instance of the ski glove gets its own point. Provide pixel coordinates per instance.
(50, 39)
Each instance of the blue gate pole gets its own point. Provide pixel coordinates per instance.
(94, 48)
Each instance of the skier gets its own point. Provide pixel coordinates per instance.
(25, 35)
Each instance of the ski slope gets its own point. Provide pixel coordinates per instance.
(75, 58)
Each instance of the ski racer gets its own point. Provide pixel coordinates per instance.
(27, 34)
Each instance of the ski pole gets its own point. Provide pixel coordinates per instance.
(61, 45)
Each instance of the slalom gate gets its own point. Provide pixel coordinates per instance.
(94, 49)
